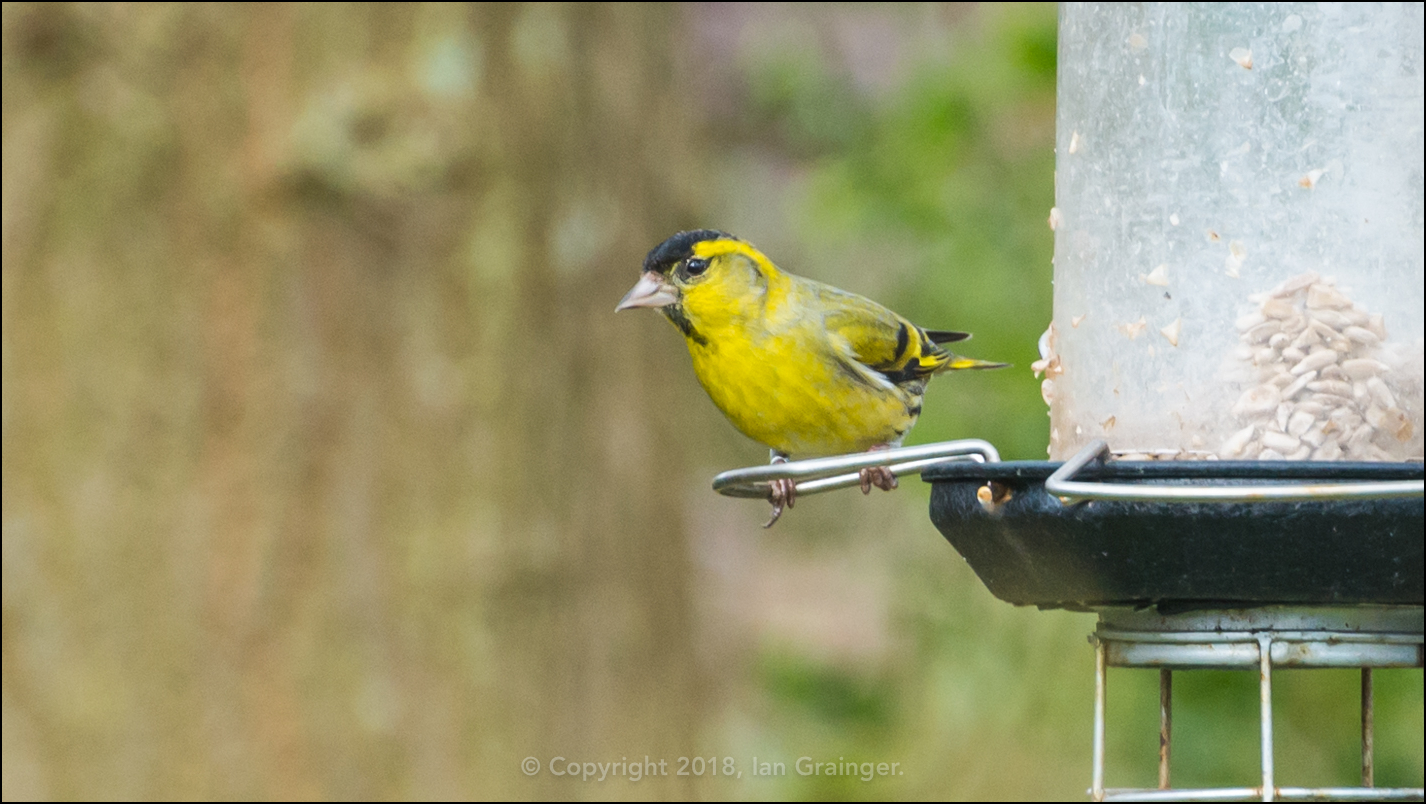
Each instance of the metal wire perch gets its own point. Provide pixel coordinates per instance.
(1071, 491)
(816, 475)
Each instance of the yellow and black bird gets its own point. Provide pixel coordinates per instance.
(800, 366)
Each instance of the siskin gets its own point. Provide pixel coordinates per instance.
(800, 366)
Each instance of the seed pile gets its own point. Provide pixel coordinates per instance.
(1322, 389)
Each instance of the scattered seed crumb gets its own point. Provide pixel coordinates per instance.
(1236, 254)
(1171, 332)
(1135, 329)
(1159, 276)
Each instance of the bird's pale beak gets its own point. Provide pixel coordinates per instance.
(652, 290)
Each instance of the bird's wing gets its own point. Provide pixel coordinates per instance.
(878, 338)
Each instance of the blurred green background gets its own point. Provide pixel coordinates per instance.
(330, 473)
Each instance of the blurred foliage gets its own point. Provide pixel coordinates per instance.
(328, 472)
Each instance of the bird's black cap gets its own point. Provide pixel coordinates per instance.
(668, 253)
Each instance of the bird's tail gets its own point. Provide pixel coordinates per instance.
(957, 363)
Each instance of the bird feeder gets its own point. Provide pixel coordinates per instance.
(1234, 368)
(1238, 232)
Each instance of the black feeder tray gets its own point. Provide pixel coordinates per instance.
(1031, 548)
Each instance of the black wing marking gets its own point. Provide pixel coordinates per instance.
(946, 336)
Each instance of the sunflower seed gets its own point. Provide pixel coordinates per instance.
(1235, 443)
(1316, 360)
(1363, 336)
(1333, 373)
(1315, 436)
(1263, 331)
(1375, 416)
(1329, 451)
(1308, 337)
(1345, 420)
(1324, 331)
(1381, 392)
(1299, 423)
(1257, 401)
(1360, 368)
(1321, 295)
(1290, 286)
(1298, 384)
(1359, 438)
(1331, 318)
(1333, 387)
(1279, 308)
(1282, 442)
(1284, 411)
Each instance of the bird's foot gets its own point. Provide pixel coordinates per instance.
(879, 476)
(781, 493)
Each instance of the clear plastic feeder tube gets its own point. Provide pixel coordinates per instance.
(1239, 231)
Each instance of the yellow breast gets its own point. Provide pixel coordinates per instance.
(778, 378)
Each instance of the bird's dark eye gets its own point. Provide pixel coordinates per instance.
(695, 266)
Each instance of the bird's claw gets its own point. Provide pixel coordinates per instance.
(879, 476)
(782, 494)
